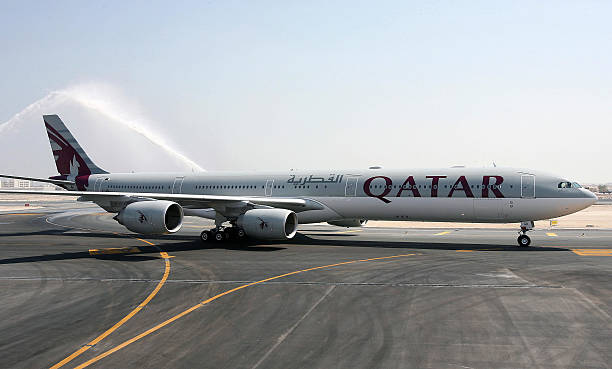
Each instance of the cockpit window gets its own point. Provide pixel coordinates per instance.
(569, 185)
(576, 185)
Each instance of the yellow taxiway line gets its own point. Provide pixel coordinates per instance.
(115, 251)
(593, 252)
(442, 233)
(203, 303)
(96, 340)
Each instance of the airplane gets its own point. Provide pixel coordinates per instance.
(271, 205)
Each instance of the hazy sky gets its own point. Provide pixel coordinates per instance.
(312, 84)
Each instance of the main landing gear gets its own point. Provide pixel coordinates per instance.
(524, 240)
(222, 234)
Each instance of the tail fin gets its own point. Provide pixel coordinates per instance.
(70, 159)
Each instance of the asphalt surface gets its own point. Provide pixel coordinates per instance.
(384, 298)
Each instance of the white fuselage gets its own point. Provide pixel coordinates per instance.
(490, 195)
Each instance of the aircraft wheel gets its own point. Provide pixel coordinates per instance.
(220, 236)
(241, 234)
(524, 240)
(205, 236)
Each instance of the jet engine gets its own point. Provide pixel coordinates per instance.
(269, 224)
(151, 217)
(349, 222)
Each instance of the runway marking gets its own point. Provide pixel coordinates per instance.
(551, 234)
(442, 233)
(96, 340)
(203, 303)
(593, 252)
(350, 231)
(496, 249)
(283, 336)
(298, 283)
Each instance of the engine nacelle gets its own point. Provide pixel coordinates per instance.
(269, 224)
(349, 222)
(151, 217)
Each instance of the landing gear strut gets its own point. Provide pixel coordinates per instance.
(524, 240)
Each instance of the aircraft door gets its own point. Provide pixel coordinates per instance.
(268, 189)
(177, 186)
(351, 187)
(528, 186)
(98, 185)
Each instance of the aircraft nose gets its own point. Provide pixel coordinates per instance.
(592, 198)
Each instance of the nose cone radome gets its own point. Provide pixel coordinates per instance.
(589, 196)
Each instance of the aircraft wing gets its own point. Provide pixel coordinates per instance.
(186, 200)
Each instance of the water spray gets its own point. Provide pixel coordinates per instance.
(104, 105)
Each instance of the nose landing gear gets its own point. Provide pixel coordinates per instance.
(524, 240)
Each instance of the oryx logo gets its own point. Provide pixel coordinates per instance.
(263, 225)
(142, 218)
(67, 160)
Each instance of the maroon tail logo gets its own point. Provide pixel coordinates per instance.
(69, 163)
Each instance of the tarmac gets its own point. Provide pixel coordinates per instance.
(330, 298)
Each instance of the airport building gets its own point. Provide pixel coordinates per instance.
(24, 184)
(15, 183)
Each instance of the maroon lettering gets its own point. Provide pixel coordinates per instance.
(465, 187)
(411, 186)
(494, 187)
(387, 188)
(434, 184)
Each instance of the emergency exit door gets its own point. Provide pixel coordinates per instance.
(177, 186)
(351, 187)
(528, 186)
(268, 188)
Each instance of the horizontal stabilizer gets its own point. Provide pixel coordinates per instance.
(58, 182)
